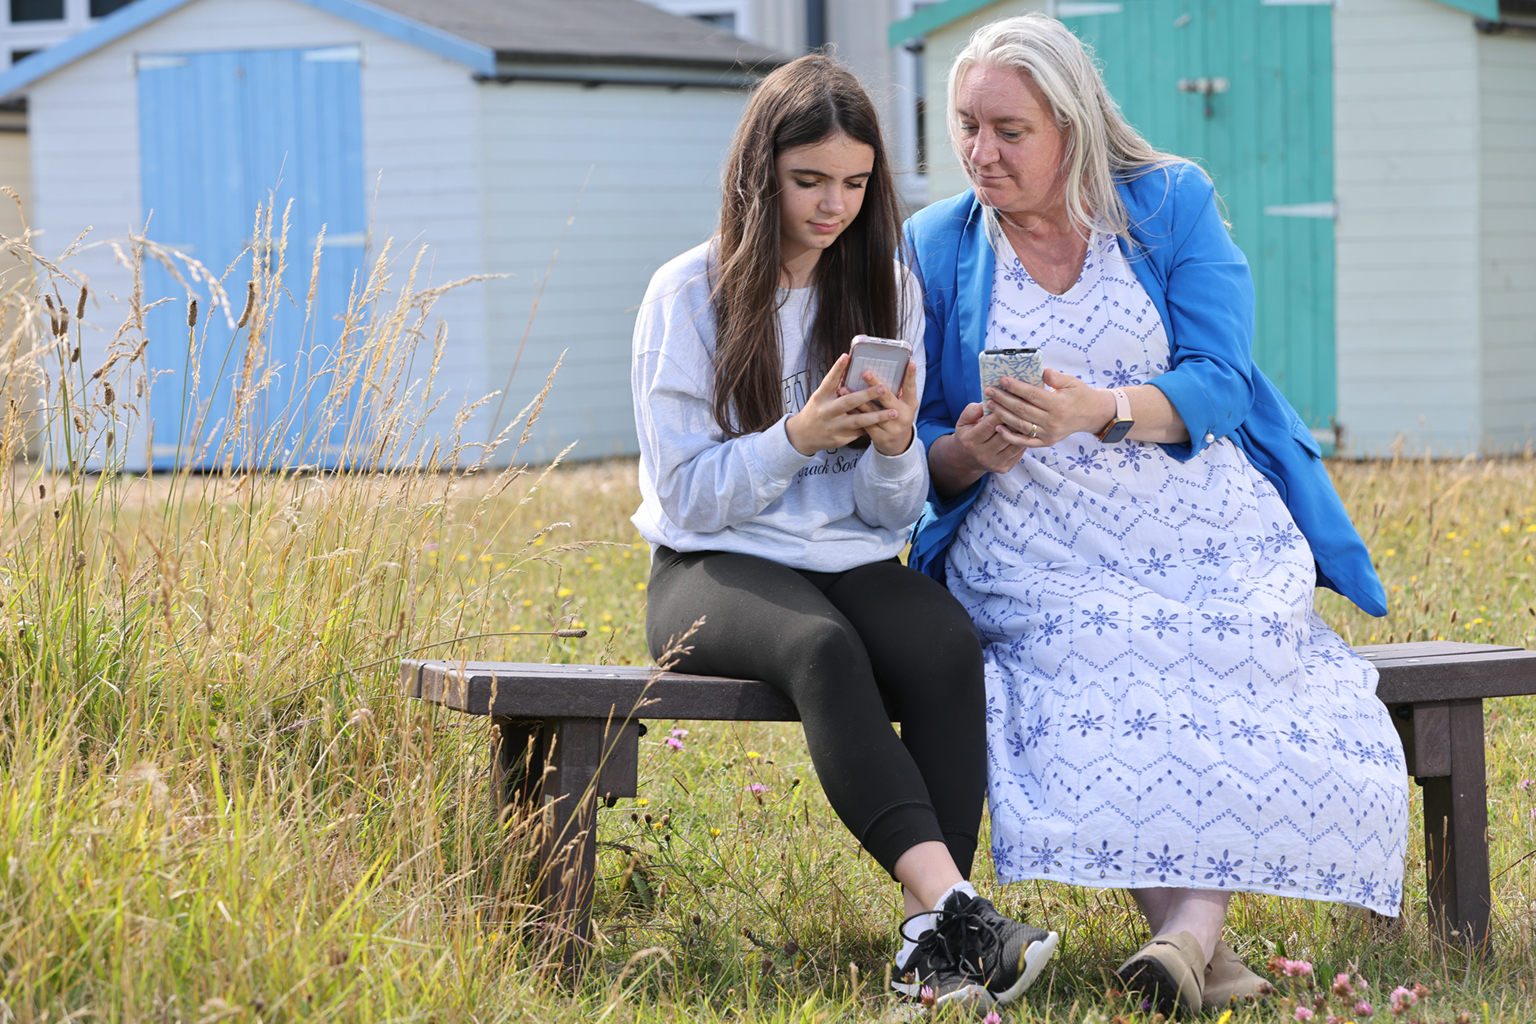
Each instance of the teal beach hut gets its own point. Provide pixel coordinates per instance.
(1377, 161)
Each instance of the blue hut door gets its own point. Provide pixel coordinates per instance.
(220, 134)
(1246, 88)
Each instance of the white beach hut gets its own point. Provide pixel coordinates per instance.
(490, 131)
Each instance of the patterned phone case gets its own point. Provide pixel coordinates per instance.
(1019, 363)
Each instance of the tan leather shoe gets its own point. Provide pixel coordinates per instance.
(1169, 971)
(1227, 979)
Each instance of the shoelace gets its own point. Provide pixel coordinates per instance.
(963, 936)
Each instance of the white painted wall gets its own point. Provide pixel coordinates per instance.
(945, 176)
(1406, 138)
(1507, 261)
(857, 30)
(419, 154)
(654, 157)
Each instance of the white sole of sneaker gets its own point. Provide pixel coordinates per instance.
(970, 995)
(976, 994)
(1035, 958)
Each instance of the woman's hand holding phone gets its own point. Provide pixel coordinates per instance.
(834, 416)
(1038, 417)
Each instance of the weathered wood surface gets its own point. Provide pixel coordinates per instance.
(518, 690)
(1446, 670)
(1410, 673)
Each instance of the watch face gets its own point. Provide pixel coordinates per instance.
(1116, 431)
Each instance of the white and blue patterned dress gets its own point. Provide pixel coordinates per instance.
(1164, 707)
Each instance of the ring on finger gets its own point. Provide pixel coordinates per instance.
(1034, 430)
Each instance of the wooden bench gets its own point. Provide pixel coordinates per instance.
(578, 728)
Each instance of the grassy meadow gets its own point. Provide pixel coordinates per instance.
(215, 805)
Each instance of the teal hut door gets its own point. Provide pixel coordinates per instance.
(221, 133)
(1246, 88)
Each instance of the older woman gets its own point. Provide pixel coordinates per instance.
(1138, 540)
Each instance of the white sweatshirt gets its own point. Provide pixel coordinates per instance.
(756, 494)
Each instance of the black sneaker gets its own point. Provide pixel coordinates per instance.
(1003, 955)
(932, 967)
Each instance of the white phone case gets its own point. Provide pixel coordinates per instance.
(885, 356)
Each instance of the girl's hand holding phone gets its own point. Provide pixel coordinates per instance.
(894, 435)
(834, 416)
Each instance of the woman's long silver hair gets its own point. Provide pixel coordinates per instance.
(1101, 146)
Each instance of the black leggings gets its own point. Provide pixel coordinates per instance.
(834, 642)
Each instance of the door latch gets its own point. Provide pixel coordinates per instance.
(1206, 87)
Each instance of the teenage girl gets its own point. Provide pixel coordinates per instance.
(776, 502)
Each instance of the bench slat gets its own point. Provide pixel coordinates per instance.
(1496, 673)
(591, 691)
(1410, 673)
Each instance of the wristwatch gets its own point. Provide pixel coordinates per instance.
(1116, 429)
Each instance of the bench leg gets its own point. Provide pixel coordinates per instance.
(519, 748)
(1449, 738)
(562, 766)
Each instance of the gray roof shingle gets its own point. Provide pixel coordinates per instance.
(604, 31)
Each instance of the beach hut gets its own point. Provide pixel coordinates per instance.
(1377, 161)
(493, 132)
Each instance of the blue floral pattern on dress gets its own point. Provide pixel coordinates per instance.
(1164, 705)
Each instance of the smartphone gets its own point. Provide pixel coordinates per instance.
(1019, 363)
(885, 356)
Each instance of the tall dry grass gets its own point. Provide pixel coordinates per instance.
(214, 804)
(209, 797)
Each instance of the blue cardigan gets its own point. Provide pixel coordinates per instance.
(1199, 281)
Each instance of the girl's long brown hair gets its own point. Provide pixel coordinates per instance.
(804, 102)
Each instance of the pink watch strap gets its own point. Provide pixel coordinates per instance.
(1122, 404)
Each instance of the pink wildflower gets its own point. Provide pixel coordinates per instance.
(1402, 999)
(757, 787)
(1294, 968)
(1527, 784)
(673, 742)
(1341, 986)
(1364, 1009)
(926, 995)
(992, 1018)
(680, 733)
(1302, 1013)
